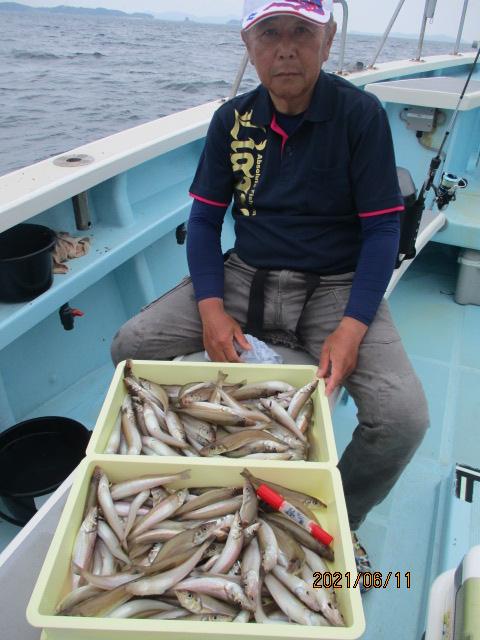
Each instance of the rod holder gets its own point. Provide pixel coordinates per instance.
(82, 211)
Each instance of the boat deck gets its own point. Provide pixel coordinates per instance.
(442, 340)
(401, 534)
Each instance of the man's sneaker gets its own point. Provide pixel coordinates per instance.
(361, 560)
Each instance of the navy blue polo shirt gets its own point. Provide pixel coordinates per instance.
(298, 199)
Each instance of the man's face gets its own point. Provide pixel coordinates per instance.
(288, 53)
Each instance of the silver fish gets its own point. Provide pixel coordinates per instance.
(215, 394)
(290, 553)
(281, 416)
(268, 546)
(207, 566)
(108, 508)
(193, 442)
(111, 541)
(269, 456)
(203, 432)
(134, 511)
(135, 608)
(113, 443)
(264, 444)
(302, 589)
(295, 497)
(259, 389)
(250, 414)
(290, 605)
(207, 498)
(130, 429)
(161, 511)
(132, 487)
(148, 452)
(202, 603)
(157, 585)
(109, 563)
(218, 587)
(84, 545)
(174, 614)
(153, 536)
(249, 533)
(243, 616)
(123, 509)
(239, 440)
(304, 418)
(188, 539)
(216, 413)
(175, 426)
(100, 605)
(92, 500)
(160, 448)
(108, 583)
(215, 510)
(283, 434)
(76, 597)
(249, 508)
(326, 601)
(152, 424)
(156, 390)
(301, 397)
(139, 416)
(251, 570)
(195, 392)
(232, 549)
(301, 535)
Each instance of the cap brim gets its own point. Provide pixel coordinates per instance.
(319, 19)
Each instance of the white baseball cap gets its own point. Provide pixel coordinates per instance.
(318, 11)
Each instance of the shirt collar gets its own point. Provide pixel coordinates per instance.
(321, 106)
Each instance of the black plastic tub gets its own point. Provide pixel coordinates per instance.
(35, 458)
(25, 262)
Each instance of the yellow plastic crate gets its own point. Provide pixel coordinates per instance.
(321, 438)
(52, 584)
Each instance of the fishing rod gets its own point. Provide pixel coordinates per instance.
(444, 194)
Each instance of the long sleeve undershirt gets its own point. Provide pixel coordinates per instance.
(374, 269)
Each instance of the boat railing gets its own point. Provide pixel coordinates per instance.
(428, 14)
(343, 41)
(460, 28)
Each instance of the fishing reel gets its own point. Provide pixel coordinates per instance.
(447, 191)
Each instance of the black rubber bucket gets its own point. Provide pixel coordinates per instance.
(35, 458)
(25, 262)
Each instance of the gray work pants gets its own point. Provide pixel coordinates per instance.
(392, 409)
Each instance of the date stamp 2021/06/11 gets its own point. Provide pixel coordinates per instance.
(369, 579)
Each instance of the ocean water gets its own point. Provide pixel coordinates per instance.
(68, 80)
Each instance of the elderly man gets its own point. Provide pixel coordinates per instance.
(308, 159)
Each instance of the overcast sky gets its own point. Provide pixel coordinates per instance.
(365, 15)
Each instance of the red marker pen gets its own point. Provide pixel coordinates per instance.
(279, 503)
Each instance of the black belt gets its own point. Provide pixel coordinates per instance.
(256, 310)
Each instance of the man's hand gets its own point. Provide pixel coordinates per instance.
(219, 332)
(340, 352)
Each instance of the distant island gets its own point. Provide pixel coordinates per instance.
(177, 16)
(113, 13)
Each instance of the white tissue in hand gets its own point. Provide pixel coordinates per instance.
(260, 353)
